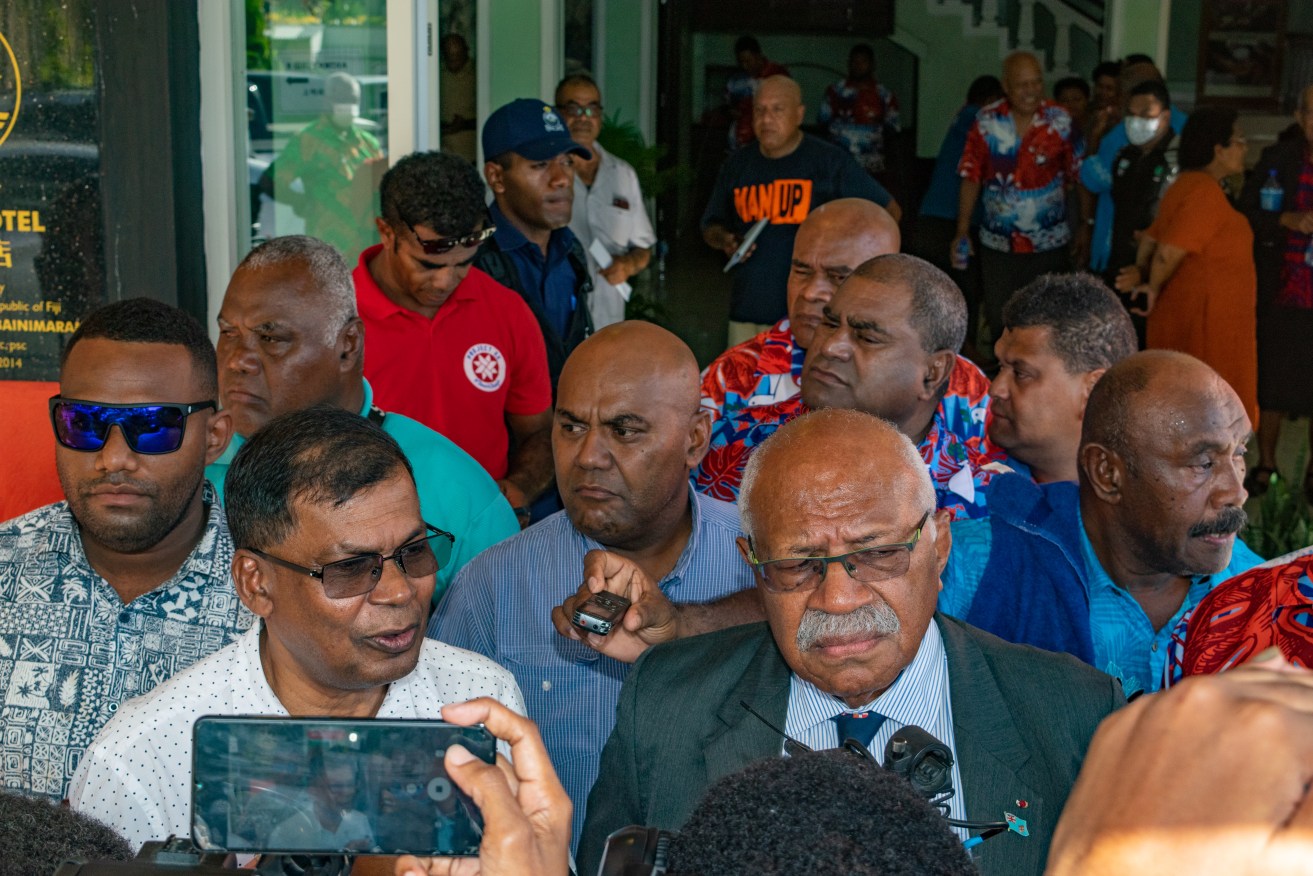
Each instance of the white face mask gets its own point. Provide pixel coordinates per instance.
(1140, 131)
(344, 114)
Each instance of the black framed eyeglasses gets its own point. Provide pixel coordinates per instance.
(867, 565)
(148, 428)
(360, 574)
(574, 110)
(447, 244)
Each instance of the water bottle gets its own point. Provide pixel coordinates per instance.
(961, 254)
(1269, 196)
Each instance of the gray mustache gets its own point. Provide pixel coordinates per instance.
(867, 620)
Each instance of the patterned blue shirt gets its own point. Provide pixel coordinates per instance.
(71, 651)
(500, 605)
(919, 696)
(1126, 646)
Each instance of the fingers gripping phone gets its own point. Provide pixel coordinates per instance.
(600, 613)
(330, 786)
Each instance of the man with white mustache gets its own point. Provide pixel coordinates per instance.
(846, 546)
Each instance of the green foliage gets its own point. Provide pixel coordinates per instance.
(625, 141)
(1284, 520)
(645, 307)
(257, 41)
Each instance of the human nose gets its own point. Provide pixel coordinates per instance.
(115, 454)
(562, 174)
(1231, 482)
(1001, 387)
(238, 357)
(818, 289)
(394, 586)
(593, 452)
(838, 592)
(834, 343)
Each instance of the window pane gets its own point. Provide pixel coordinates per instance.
(52, 255)
(316, 99)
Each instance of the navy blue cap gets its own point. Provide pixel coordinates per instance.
(530, 128)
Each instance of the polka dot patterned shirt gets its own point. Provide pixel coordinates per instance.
(136, 776)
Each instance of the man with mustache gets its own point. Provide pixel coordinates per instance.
(335, 559)
(108, 593)
(846, 547)
(628, 430)
(1104, 570)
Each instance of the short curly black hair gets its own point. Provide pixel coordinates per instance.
(38, 835)
(1089, 328)
(817, 812)
(439, 190)
(147, 321)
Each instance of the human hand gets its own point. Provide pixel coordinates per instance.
(518, 499)
(1209, 777)
(526, 813)
(620, 270)
(1128, 278)
(650, 619)
(1150, 295)
(954, 258)
(1301, 223)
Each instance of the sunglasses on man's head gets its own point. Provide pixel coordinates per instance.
(447, 244)
(148, 428)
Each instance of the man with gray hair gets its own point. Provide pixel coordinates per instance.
(290, 338)
(846, 548)
(887, 345)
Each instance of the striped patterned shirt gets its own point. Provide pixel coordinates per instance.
(500, 605)
(919, 696)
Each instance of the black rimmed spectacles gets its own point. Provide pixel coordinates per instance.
(148, 428)
(360, 574)
(867, 565)
(446, 244)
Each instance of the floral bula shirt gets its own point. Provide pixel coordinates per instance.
(1023, 182)
(960, 458)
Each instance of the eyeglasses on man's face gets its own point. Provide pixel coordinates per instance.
(152, 428)
(574, 110)
(867, 565)
(360, 574)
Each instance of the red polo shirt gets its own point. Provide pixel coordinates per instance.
(480, 358)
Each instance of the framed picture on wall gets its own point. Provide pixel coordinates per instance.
(1241, 45)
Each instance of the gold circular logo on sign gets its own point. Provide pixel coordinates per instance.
(11, 92)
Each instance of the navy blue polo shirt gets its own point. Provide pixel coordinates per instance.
(549, 281)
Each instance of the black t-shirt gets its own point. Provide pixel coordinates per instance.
(751, 186)
(1138, 182)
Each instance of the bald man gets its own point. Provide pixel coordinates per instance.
(1018, 159)
(1105, 570)
(627, 433)
(831, 243)
(781, 178)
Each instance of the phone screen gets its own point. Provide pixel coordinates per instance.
(332, 786)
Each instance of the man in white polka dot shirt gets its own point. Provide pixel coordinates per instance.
(335, 559)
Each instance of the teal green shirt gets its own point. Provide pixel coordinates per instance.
(455, 493)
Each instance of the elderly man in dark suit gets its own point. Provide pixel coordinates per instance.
(847, 547)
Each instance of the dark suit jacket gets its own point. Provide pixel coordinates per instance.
(1022, 720)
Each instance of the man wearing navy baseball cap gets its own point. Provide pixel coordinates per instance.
(530, 168)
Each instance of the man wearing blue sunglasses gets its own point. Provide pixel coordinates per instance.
(108, 593)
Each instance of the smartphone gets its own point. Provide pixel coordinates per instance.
(332, 786)
(600, 613)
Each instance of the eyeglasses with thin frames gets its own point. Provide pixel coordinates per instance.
(867, 565)
(360, 574)
(580, 111)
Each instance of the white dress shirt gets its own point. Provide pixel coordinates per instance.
(610, 210)
(919, 696)
(136, 776)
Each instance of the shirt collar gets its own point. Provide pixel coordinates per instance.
(64, 540)
(509, 238)
(685, 557)
(904, 702)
